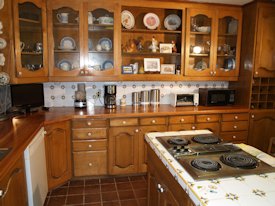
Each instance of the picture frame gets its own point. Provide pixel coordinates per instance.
(127, 69)
(151, 65)
(167, 68)
(165, 48)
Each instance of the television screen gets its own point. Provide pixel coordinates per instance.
(27, 95)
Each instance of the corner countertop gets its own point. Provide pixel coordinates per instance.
(247, 190)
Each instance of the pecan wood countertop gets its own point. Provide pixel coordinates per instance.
(18, 132)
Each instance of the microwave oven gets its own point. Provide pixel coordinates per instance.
(184, 99)
(216, 97)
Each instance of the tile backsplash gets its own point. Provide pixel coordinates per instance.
(62, 94)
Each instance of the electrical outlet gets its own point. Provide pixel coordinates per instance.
(98, 94)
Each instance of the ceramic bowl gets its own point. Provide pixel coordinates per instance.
(203, 28)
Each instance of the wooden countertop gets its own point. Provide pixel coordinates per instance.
(18, 132)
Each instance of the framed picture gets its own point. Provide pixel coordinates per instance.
(165, 48)
(167, 69)
(151, 65)
(127, 70)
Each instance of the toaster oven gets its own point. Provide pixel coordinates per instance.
(184, 99)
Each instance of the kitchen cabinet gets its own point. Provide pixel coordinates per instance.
(89, 140)
(13, 187)
(261, 128)
(163, 190)
(58, 153)
(31, 50)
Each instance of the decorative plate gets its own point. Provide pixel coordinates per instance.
(229, 64)
(107, 65)
(200, 66)
(2, 59)
(3, 43)
(127, 19)
(67, 43)
(1, 4)
(4, 78)
(64, 65)
(151, 21)
(106, 44)
(172, 22)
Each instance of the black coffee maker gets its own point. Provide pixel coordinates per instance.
(110, 96)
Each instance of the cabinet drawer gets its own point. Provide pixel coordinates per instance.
(96, 133)
(181, 127)
(208, 118)
(89, 123)
(235, 117)
(152, 120)
(90, 163)
(234, 136)
(234, 126)
(123, 122)
(89, 145)
(181, 119)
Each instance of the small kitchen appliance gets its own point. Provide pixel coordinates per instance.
(184, 99)
(80, 96)
(216, 97)
(110, 96)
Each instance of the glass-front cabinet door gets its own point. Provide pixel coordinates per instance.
(199, 43)
(99, 38)
(65, 38)
(30, 38)
(228, 44)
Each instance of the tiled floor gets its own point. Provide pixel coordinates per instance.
(119, 191)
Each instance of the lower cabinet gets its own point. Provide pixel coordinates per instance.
(261, 128)
(13, 188)
(163, 190)
(58, 153)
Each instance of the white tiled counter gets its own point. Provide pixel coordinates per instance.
(248, 190)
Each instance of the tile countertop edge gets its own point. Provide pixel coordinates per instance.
(216, 191)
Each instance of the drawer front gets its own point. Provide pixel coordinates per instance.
(235, 117)
(208, 118)
(90, 163)
(90, 145)
(182, 119)
(212, 126)
(152, 120)
(89, 123)
(181, 127)
(234, 136)
(234, 126)
(123, 122)
(93, 133)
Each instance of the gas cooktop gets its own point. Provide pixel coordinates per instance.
(206, 156)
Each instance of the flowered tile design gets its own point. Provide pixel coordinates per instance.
(248, 190)
(62, 93)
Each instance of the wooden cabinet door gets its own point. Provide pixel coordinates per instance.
(153, 193)
(142, 146)
(123, 150)
(261, 129)
(265, 43)
(13, 186)
(167, 199)
(58, 153)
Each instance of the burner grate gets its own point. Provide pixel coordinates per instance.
(178, 141)
(206, 139)
(239, 161)
(205, 164)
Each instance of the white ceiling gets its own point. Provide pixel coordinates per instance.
(233, 2)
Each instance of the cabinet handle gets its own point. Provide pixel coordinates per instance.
(235, 126)
(136, 131)
(86, 72)
(4, 192)
(193, 127)
(236, 117)
(214, 73)
(19, 74)
(211, 73)
(234, 137)
(90, 146)
(252, 116)
(182, 120)
(89, 123)
(89, 134)
(123, 122)
(81, 72)
(90, 164)
(256, 73)
(160, 188)
(45, 132)
(208, 119)
(153, 121)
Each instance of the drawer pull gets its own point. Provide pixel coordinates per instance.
(89, 123)
(90, 146)
(90, 164)
(236, 117)
(136, 131)
(235, 126)
(153, 121)
(123, 122)
(89, 134)
(182, 120)
(208, 119)
(193, 127)
(234, 137)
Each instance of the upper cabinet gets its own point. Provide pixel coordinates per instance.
(213, 43)
(265, 42)
(30, 39)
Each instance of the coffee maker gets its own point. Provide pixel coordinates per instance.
(80, 96)
(110, 96)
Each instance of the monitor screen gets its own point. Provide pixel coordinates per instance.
(27, 95)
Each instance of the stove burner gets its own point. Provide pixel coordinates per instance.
(239, 161)
(178, 141)
(205, 164)
(206, 139)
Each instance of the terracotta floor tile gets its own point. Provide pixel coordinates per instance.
(122, 179)
(126, 195)
(66, 184)
(75, 199)
(92, 198)
(124, 186)
(142, 202)
(112, 203)
(59, 191)
(108, 187)
(91, 182)
(57, 201)
(109, 196)
(129, 203)
(76, 183)
(107, 180)
(139, 185)
(76, 190)
(92, 189)
(137, 178)
(141, 193)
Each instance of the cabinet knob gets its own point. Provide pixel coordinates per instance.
(236, 117)
(1, 193)
(256, 73)
(153, 121)
(214, 72)
(211, 73)
(208, 119)
(90, 146)
(235, 126)
(45, 132)
(89, 123)
(89, 134)
(252, 116)
(19, 73)
(136, 131)
(182, 120)
(123, 122)
(234, 137)
(90, 164)
(193, 127)
(160, 188)
(81, 72)
(86, 72)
